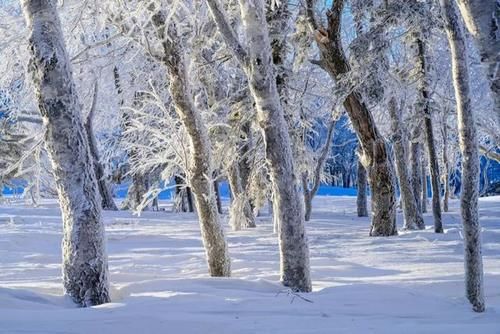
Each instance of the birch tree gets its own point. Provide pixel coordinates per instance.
(200, 168)
(412, 216)
(470, 158)
(482, 19)
(256, 60)
(107, 201)
(85, 269)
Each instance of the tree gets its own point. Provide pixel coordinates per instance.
(417, 178)
(375, 156)
(200, 169)
(107, 201)
(256, 60)
(429, 134)
(412, 216)
(85, 270)
(309, 193)
(470, 158)
(361, 202)
(482, 19)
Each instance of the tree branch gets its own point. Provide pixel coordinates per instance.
(226, 31)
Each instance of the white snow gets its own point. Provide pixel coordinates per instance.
(411, 283)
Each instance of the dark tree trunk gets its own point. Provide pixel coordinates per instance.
(429, 136)
(217, 196)
(416, 169)
(424, 192)
(375, 158)
(434, 168)
(362, 191)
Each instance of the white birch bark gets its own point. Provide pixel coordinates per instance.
(85, 269)
(482, 19)
(257, 63)
(200, 168)
(412, 216)
(423, 88)
(467, 133)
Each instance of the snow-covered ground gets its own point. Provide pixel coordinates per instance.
(412, 283)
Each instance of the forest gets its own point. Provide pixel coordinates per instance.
(249, 166)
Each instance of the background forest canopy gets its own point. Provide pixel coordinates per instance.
(270, 98)
(112, 47)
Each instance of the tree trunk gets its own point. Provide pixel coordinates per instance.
(240, 212)
(485, 178)
(85, 268)
(288, 208)
(189, 198)
(416, 167)
(412, 216)
(470, 158)
(434, 168)
(310, 193)
(424, 186)
(429, 136)
(200, 165)
(376, 157)
(106, 196)
(482, 19)
(446, 163)
(180, 204)
(308, 197)
(135, 193)
(361, 201)
(217, 197)
(244, 163)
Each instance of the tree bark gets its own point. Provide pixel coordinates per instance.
(218, 199)
(200, 168)
(434, 168)
(361, 200)
(424, 186)
(256, 60)
(310, 193)
(429, 136)
(416, 167)
(446, 163)
(180, 204)
(240, 212)
(375, 158)
(85, 269)
(412, 216)
(470, 158)
(482, 19)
